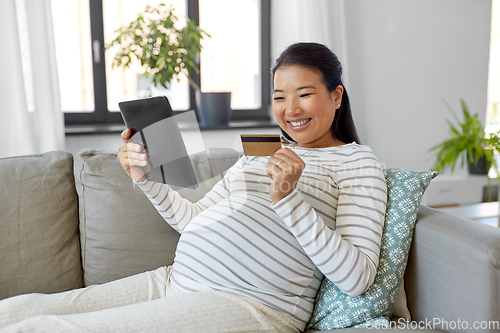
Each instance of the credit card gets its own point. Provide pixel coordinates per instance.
(260, 144)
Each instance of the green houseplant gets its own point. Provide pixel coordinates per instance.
(164, 49)
(469, 142)
(167, 51)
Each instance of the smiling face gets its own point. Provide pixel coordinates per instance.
(303, 106)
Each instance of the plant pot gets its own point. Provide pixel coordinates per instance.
(214, 108)
(480, 168)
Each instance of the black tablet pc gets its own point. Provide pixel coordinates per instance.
(153, 125)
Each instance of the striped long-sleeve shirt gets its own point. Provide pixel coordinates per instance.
(236, 240)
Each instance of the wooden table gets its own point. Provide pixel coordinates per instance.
(485, 212)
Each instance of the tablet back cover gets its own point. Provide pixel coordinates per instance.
(153, 126)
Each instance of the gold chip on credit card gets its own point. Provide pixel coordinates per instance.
(260, 144)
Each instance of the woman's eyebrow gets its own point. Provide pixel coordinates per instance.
(306, 87)
(299, 88)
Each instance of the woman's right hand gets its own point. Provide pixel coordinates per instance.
(132, 159)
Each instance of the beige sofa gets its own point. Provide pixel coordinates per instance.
(66, 225)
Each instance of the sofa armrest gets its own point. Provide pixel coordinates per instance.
(453, 273)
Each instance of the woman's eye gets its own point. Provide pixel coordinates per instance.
(305, 95)
(278, 98)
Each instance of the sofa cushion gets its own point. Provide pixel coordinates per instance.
(335, 309)
(39, 244)
(121, 232)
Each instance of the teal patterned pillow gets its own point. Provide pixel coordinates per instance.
(335, 309)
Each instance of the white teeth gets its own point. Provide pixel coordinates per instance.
(298, 123)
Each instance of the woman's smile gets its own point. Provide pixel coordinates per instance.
(298, 125)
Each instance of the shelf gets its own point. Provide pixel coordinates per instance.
(91, 129)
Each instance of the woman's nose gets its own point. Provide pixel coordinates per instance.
(293, 107)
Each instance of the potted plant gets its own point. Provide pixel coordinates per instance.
(470, 143)
(165, 51)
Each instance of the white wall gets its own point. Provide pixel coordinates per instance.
(404, 57)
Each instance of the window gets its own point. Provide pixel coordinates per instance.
(493, 106)
(235, 58)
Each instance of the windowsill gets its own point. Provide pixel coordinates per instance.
(92, 129)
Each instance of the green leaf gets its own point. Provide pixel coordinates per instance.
(468, 141)
(159, 46)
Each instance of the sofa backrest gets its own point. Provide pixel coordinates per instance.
(39, 243)
(121, 232)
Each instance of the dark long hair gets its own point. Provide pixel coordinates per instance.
(321, 59)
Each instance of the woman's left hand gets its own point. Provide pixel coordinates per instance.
(284, 168)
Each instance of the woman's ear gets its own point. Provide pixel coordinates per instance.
(337, 96)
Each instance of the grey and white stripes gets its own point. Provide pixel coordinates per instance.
(235, 240)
